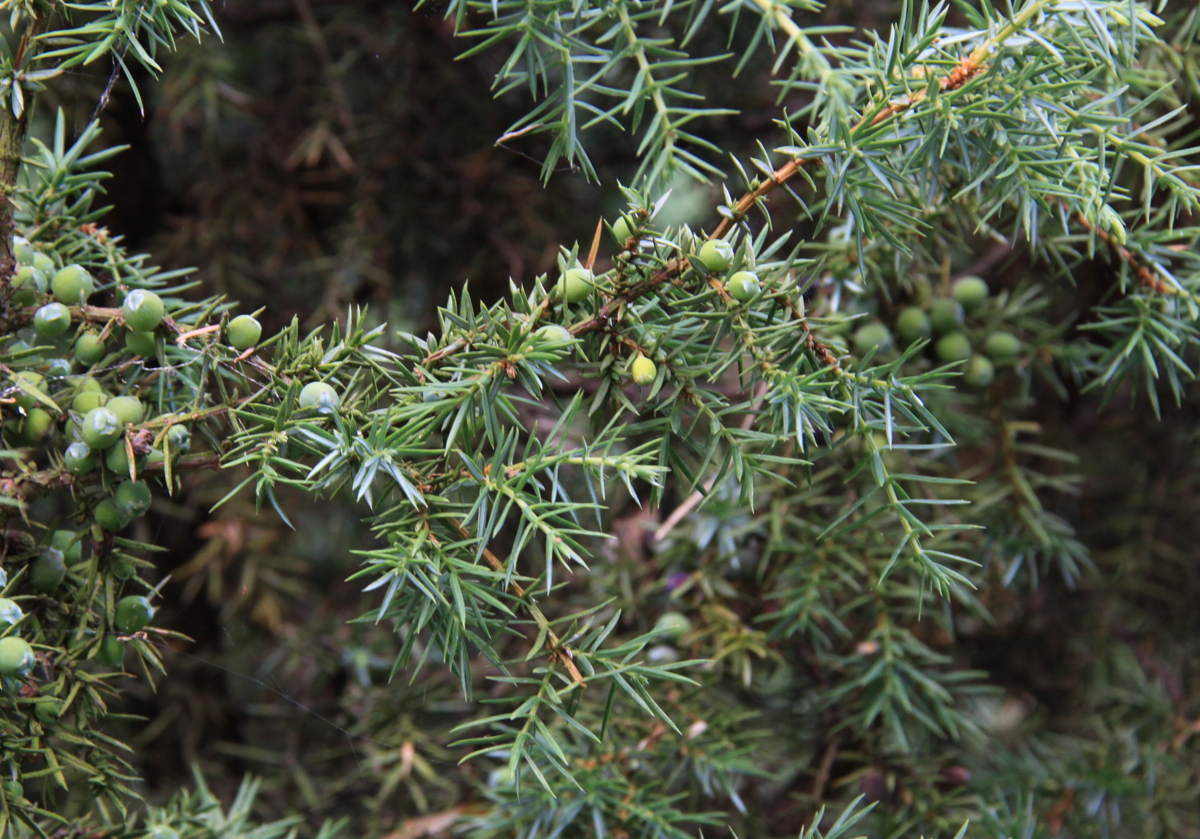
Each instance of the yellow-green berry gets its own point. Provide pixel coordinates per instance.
(129, 409)
(576, 284)
(872, 336)
(243, 332)
(970, 292)
(953, 347)
(979, 372)
(16, 656)
(141, 343)
(72, 285)
(52, 320)
(100, 428)
(89, 348)
(946, 315)
(672, 625)
(38, 424)
(913, 324)
(134, 497)
(78, 458)
(1003, 347)
(743, 286)
(143, 310)
(319, 395)
(716, 254)
(643, 370)
(110, 515)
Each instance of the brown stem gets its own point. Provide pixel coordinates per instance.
(12, 139)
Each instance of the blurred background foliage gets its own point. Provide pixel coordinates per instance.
(326, 153)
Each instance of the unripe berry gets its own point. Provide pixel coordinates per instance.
(979, 372)
(622, 229)
(913, 324)
(16, 656)
(23, 379)
(78, 459)
(243, 332)
(133, 613)
(43, 263)
(68, 542)
(953, 347)
(946, 315)
(553, 334)
(672, 625)
(143, 310)
(111, 652)
(52, 320)
(38, 424)
(47, 571)
(87, 400)
(48, 710)
(970, 292)
(716, 254)
(1003, 347)
(58, 368)
(22, 251)
(27, 284)
(110, 516)
(100, 428)
(89, 348)
(576, 284)
(872, 336)
(180, 438)
(72, 285)
(141, 343)
(320, 395)
(643, 370)
(117, 459)
(10, 613)
(129, 409)
(743, 286)
(134, 497)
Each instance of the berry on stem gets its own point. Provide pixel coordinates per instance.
(72, 285)
(101, 428)
(133, 613)
(320, 395)
(913, 324)
(979, 373)
(872, 336)
(946, 315)
(716, 254)
(52, 320)
(143, 310)
(1003, 347)
(643, 370)
(576, 284)
(16, 656)
(743, 286)
(141, 343)
(243, 332)
(953, 347)
(970, 292)
(89, 348)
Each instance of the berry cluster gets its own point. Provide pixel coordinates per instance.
(945, 321)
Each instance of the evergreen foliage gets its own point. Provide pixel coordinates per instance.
(839, 443)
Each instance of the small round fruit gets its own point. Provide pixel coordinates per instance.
(28, 284)
(141, 343)
(979, 372)
(86, 400)
(117, 458)
(22, 250)
(872, 336)
(134, 497)
(672, 625)
(180, 438)
(946, 315)
(716, 254)
(913, 324)
(743, 286)
(69, 543)
(129, 409)
(58, 368)
(16, 656)
(953, 347)
(43, 263)
(576, 284)
(48, 710)
(46, 572)
(320, 395)
(112, 651)
(110, 515)
(143, 310)
(24, 379)
(52, 320)
(1003, 347)
(89, 348)
(970, 292)
(133, 613)
(243, 332)
(643, 370)
(38, 424)
(72, 285)
(101, 428)
(78, 459)
(622, 229)
(10, 613)
(155, 456)
(553, 334)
